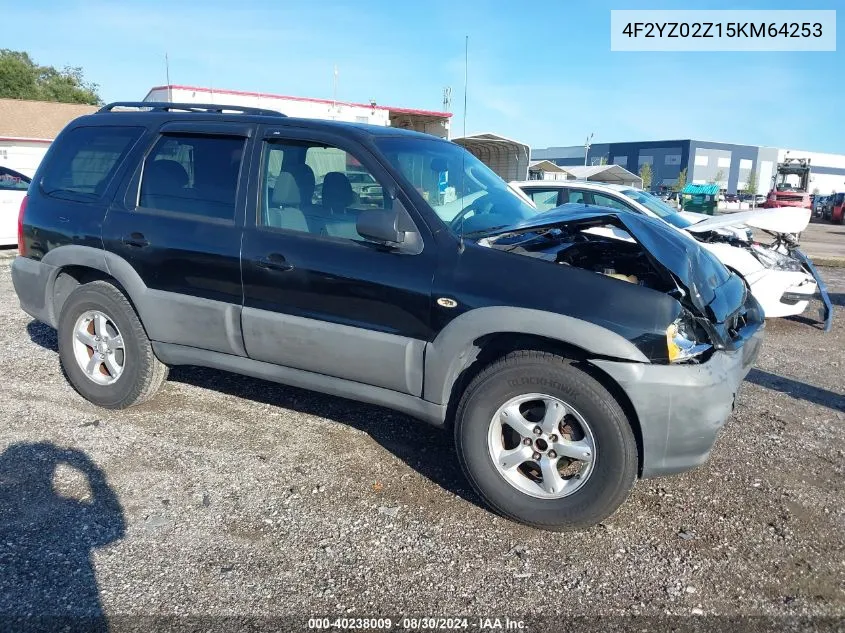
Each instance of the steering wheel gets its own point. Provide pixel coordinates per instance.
(480, 206)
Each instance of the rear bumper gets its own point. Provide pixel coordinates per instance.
(31, 278)
(682, 408)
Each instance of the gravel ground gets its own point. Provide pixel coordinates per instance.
(236, 497)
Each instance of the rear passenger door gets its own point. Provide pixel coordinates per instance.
(317, 295)
(178, 225)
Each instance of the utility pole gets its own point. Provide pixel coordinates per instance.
(587, 147)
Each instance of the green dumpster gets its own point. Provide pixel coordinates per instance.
(700, 198)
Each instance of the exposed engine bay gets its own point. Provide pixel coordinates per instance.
(625, 260)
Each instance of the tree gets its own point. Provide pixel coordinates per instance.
(646, 174)
(681, 182)
(603, 160)
(22, 78)
(720, 176)
(751, 183)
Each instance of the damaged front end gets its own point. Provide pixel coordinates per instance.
(716, 312)
(797, 281)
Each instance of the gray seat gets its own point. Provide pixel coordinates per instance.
(284, 210)
(337, 196)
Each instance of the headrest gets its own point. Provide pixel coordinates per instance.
(337, 191)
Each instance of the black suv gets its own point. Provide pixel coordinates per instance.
(571, 350)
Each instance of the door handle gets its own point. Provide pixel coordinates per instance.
(136, 239)
(273, 261)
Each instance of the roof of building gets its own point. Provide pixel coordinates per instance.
(268, 95)
(545, 165)
(607, 173)
(709, 190)
(37, 120)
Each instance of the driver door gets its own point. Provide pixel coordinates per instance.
(317, 295)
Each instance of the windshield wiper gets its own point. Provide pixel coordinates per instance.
(483, 232)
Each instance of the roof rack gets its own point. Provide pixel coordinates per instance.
(166, 106)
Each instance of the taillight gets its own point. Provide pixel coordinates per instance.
(21, 246)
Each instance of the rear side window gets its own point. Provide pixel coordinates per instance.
(195, 175)
(85, 160)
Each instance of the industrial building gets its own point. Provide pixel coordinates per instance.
(428, 121)
(727, 165)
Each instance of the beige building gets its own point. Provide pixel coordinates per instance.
(28, 127)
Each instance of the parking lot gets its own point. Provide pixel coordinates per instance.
(227, 495)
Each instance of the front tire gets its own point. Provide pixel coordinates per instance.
(544, 443)
(104, 351)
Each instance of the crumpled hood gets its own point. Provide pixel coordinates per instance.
(696, 269)
(781, 220)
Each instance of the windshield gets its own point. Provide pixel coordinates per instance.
(466, 194)
(657, 207)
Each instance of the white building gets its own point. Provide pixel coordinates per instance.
(28, 127)
(827, 171)
(428, 121)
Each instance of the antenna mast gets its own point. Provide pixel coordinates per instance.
(167, 74)
(463, 156)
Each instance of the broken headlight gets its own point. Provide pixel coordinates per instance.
(686, 340)
(774, 259)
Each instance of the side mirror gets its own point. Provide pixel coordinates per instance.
(381, 225)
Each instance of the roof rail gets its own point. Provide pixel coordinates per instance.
(166, 106)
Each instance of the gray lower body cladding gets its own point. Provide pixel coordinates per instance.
(31, 279)
(682, 408)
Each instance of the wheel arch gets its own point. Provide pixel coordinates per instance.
(490, 347)
(74, 265)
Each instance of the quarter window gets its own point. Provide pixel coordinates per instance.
(316, 188)
(196, 175)
(85, 159)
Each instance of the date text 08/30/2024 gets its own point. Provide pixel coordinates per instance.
(418, 623)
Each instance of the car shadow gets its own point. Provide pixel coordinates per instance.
(43, 335)
(46, 539)
(837, 298)
(428, 450)
(797, 389)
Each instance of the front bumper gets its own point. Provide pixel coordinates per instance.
(681, 408)
(826, 313)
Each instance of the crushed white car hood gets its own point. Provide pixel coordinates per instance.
(782, 220)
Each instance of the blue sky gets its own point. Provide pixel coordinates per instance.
(543, 74)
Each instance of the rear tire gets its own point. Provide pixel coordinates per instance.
(98, 322)
(518, 382)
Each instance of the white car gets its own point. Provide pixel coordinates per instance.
(13, 186)
(778, 274)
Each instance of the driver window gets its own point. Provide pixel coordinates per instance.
(316, 188)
